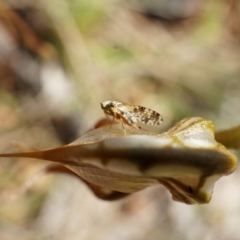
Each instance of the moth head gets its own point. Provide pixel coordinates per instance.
(105, 105)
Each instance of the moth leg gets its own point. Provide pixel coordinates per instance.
(107, 117)
(124, 130)
(108, 120)
(131, 129)
(111, 124)
(133, 126)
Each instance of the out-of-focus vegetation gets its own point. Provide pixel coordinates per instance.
(60, 59)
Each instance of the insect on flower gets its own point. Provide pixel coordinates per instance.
(131, 114)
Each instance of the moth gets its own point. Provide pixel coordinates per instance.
(131, 114)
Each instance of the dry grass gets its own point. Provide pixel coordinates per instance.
(83, 52)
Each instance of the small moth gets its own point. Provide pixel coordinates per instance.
(131, 114)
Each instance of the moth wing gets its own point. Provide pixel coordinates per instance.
(145, 115)
(127, 113)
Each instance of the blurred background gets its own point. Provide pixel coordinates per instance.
(59, 59)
